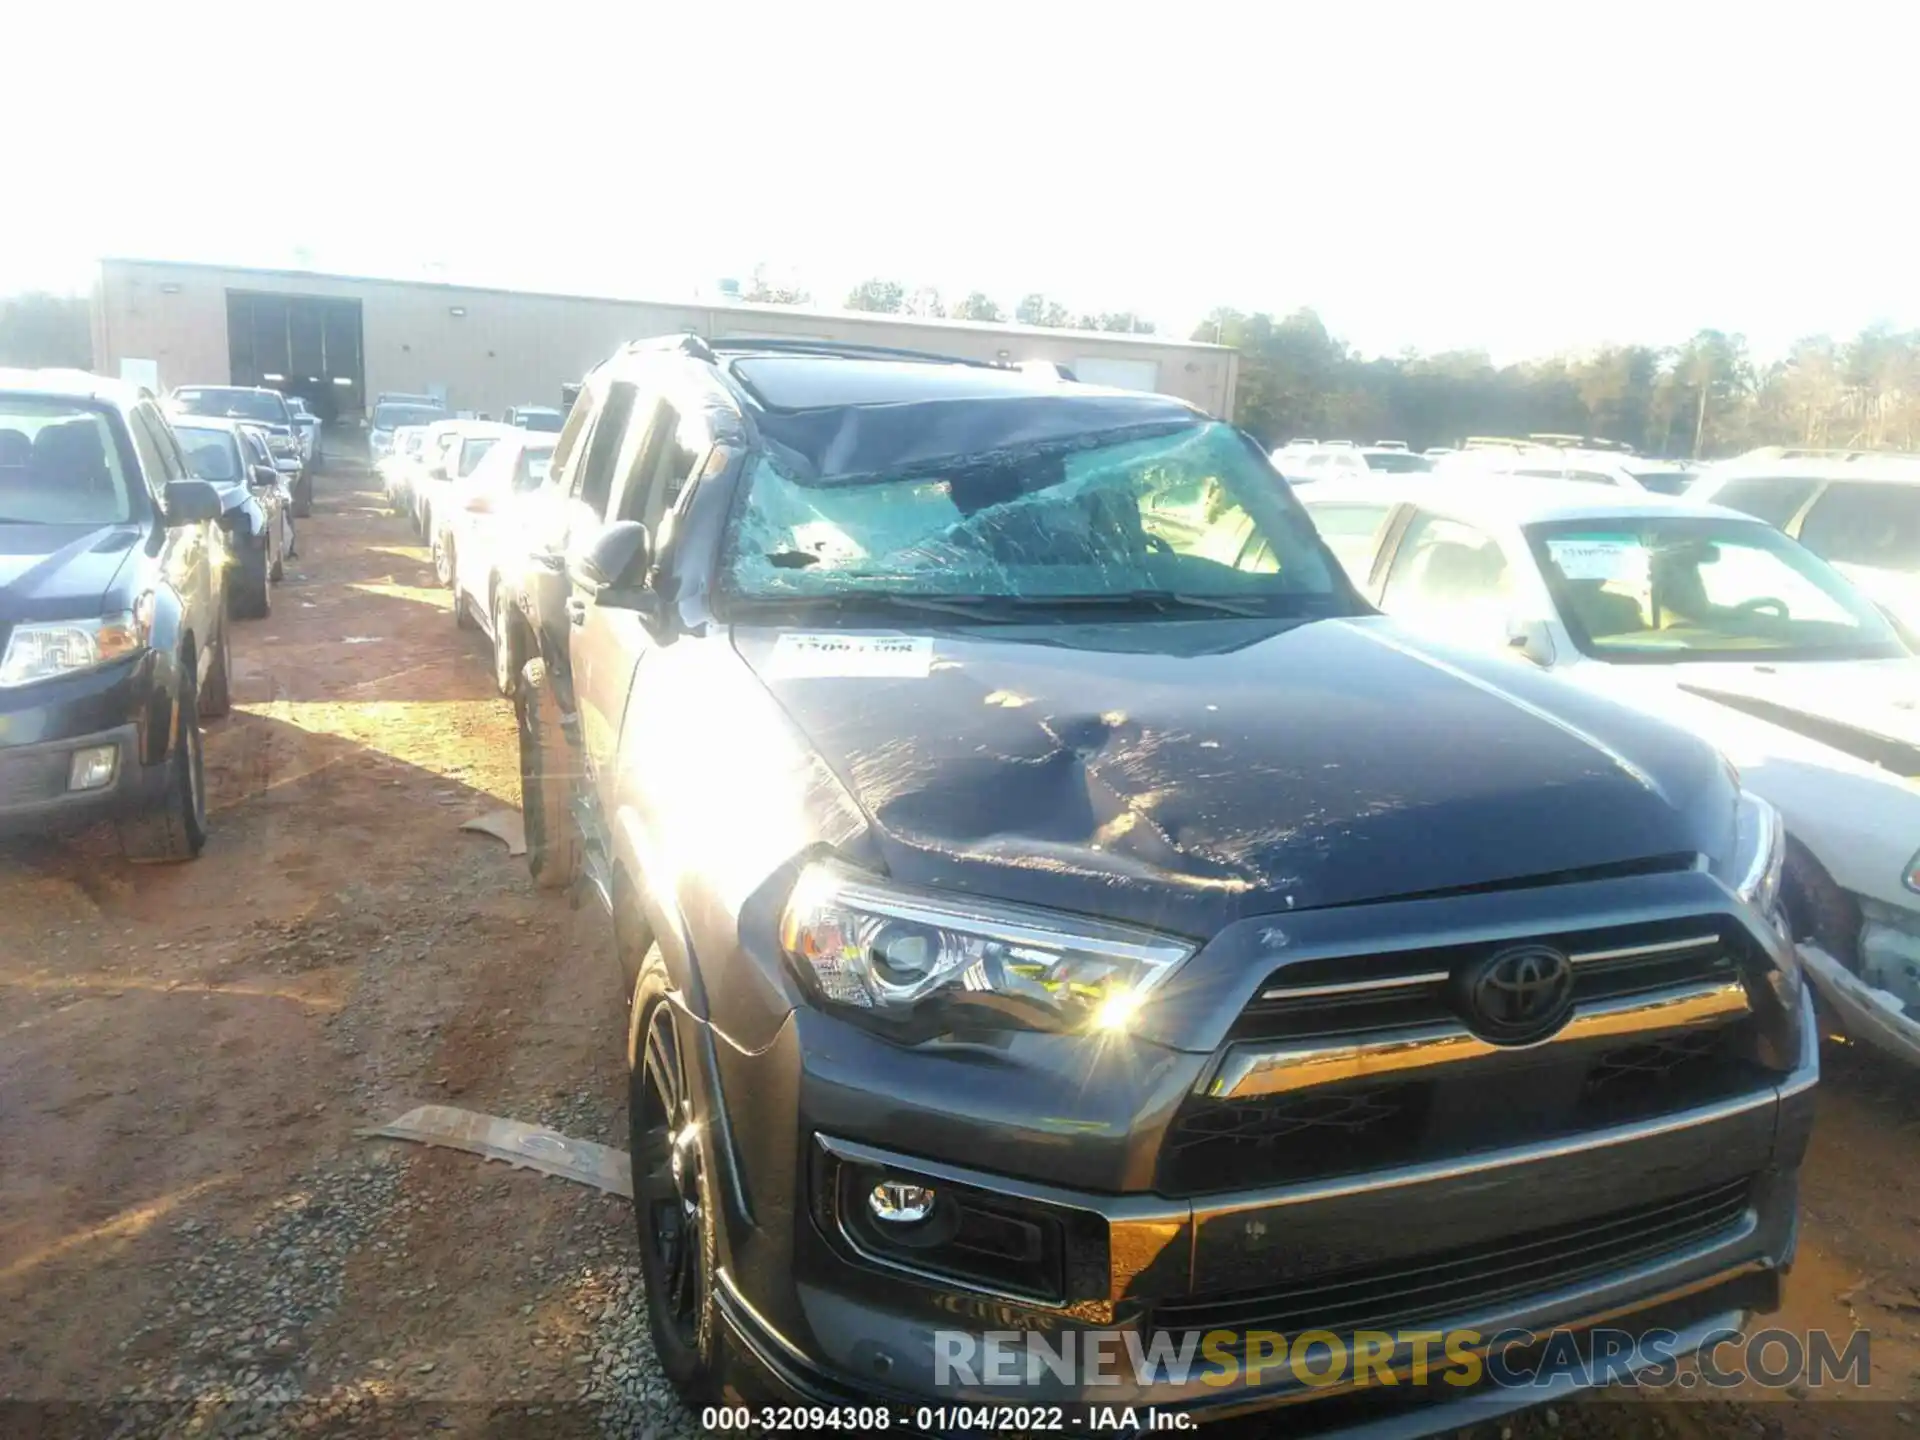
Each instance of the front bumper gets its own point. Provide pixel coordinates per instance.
(827, 1318)
(41, 726)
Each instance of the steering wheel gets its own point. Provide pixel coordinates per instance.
(1763, 605)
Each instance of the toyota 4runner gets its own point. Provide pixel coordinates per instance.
(1050, 899)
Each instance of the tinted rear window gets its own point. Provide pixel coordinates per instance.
(233, 404)
(1775, 499)
(392, 417)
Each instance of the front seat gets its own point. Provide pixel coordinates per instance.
(70, 461)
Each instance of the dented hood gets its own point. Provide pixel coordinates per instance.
(1185, 773)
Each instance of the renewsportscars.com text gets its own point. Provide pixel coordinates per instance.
(1457, 1358)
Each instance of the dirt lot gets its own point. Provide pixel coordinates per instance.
(190, 1233)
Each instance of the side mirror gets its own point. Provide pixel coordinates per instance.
(1531, 640)
(265, 477)
(437, 471)
(191, 502)
(620, 557)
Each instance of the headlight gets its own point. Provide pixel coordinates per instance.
(1760, 851)
(64, 647)
(866, 943)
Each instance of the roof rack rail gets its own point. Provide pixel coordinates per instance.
(1816, 452)
(685, 341)
(793, 345)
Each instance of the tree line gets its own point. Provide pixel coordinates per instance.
(891, 297)
(1708, 396)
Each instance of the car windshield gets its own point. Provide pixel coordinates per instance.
(1180, 515)
(1647, 590)
(211, 454)
(392, 417)
(233, 405)
(1397, 462)
(59, 464)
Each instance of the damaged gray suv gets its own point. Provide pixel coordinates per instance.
(1051, 902)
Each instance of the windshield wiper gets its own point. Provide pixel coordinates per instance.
(969, 607)
(1251, 609)
(21, 520)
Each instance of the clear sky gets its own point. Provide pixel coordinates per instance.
(1520, 178)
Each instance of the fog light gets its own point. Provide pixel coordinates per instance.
(91, 769)
(898, 1202)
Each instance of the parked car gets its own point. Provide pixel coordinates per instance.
(308, 425)
(1714, 621)
(397, 466)
(1310, 460)
(113, 615)
(484, 548)
(1033, 917)
(1857, 510)
(252, 499)
(391, 415)
(449, 453)
(262, 407)
(1619, 468)
(543, 418)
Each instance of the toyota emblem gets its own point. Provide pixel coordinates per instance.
(1520, 995)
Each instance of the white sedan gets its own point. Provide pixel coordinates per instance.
(485, 538)
(1719, 623)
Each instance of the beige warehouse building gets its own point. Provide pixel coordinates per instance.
(339, 340)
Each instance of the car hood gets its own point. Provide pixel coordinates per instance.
(58, 572)
(1189, 772)
(1869, 709)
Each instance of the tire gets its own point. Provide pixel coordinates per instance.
(250, 598)
(278, 572)
(217, 699)
(672, 1192)
(506, 646)
(443, 560)
(303, 497)
(1817, 909)
(177, 828)
(546, 782)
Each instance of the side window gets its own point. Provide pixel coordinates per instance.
(1862, 523)
(172, 457)
(146, 444)
(1775, 499)
(1352, 532)
(594, 482)
(574, 432)
(666, 459)
(1452, 576)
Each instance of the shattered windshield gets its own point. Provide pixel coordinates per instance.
(1191, 512)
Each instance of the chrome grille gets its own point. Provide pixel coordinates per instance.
(1345, 1065)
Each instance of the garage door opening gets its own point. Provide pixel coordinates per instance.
(305, 345)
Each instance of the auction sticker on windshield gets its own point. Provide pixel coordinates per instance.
(831, 656)
(1598, 557)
